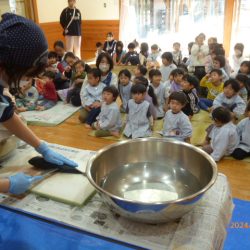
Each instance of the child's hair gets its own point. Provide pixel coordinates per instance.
(221, 114)
(131, 46)
(110, 34)
(138, 89)
(51, 75)
(119, 44)
(240, 47)
(125, 72)
(52, 54)
(246, 63)
(192, 80)
(144, 48)
(108, 57)
(113, 90)
(143, 70)
(183, 67)
(217, 71)
(96, 73)
(217, 49)
(168, 56)
(234, 84)
(154, 72)
(154, 47)
(87, 68)
(136, 43)
(177, 43)
(59, 43)
(221, 59)
(144, 81)
(79, 62)
(179, 97)
(214, 39)
(242, 78)
(177, 72)
(69, 54)
(98, 44)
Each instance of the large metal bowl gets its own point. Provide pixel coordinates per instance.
(151, 180)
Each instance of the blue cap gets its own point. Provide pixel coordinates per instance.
(22, 42)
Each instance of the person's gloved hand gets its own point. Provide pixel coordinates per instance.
(53, 157)
(20, 182)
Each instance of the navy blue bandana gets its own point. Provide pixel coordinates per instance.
(22, 42)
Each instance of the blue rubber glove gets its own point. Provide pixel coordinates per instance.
(53, 157)
(21, 182)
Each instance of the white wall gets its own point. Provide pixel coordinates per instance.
(50, 10)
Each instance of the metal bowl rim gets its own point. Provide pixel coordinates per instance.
(190, 197)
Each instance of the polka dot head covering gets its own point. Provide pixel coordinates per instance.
(22, 42)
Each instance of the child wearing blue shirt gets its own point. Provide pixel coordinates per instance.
(222, 139)
(176, 124)
(230, 99)
(155, 77)
(109, 121)
(124, 87)
(243, 129)
(138, 114)
(91, 97)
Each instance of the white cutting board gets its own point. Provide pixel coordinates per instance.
(68, 188)
(72, 189)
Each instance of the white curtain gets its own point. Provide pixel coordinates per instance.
(128, 29)
(167, 21)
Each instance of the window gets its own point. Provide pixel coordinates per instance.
(166, 21)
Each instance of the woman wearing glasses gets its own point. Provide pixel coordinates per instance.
(23, 52)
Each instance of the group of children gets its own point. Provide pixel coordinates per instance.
(154, 90)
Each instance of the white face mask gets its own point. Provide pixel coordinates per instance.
(104, 67)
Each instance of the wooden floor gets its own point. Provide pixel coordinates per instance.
(72, 133)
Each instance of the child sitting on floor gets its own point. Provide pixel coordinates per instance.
(140, 70)
(244, 88)
(230, 99)
(167, 65)
(109, 121)
(214, 85)
(91, 97)
(49, 95)
(176, 124)
(243, 129)
(52, 62)
(177, 55)
(28, 96)
(124, 87)
(177, 75)
(78, 76)
(153, 60)
(150, 95)
(189, 87)
(159, 90)
(138, 114)
(219, 62)
(222, 137)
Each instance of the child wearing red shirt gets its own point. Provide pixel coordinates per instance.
(49, 95)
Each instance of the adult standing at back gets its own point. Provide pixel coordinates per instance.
(71, 22)
(199, 52)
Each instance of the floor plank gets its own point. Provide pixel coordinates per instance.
(72, 133)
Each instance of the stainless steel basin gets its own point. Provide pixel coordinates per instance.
(151, 180)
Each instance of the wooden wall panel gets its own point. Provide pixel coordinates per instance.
(93, 31)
